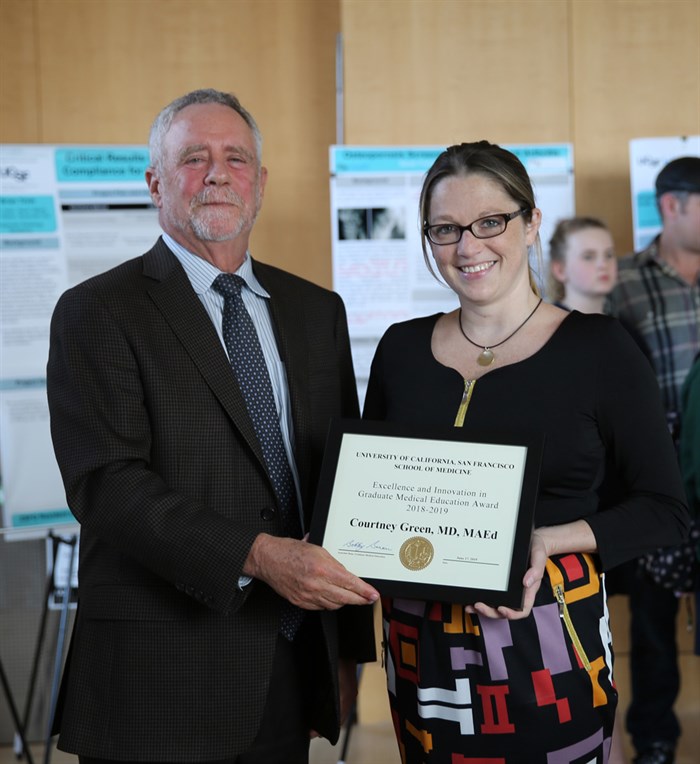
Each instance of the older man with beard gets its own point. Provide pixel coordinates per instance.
(190, 391)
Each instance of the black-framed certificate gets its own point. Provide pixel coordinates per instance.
(428, 514)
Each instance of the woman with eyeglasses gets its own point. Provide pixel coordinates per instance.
(478, 681)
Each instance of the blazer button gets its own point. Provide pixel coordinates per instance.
(268, 513)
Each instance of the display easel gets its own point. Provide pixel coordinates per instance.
(52, 588)
(19, 727)
(350, 722)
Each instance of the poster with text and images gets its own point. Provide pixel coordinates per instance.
(378, 266)
(66, 213)
(647, 158)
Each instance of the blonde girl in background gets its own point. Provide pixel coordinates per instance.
(582, 264)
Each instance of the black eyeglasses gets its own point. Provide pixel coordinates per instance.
(483, 228)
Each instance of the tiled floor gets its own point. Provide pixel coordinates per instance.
(372, 740)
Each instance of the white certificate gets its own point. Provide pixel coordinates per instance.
(429, 515)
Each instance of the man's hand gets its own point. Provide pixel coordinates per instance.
(306, 574)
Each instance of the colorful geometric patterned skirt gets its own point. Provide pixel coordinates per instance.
(471, 690)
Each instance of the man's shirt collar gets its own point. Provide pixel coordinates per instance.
(202, 273)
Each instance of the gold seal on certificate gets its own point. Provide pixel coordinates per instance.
(416, 553)
(424, 513)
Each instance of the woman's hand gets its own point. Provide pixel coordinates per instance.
(531, 584)
(546, 541)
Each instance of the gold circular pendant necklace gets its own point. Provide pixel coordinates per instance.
(486, 357)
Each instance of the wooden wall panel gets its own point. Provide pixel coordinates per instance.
(106, 68)
(19, 82)
(446, 71)
(636, 65)
(595, 73)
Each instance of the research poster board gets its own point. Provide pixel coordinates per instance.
(66, 213)
(647, 157)
(378, 265)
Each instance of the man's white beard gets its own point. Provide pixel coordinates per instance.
(218, 225)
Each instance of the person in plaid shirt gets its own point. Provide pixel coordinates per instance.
(657, 298)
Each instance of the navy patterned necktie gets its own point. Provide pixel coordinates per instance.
(250, 369)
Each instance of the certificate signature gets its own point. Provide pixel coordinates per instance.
(365, 546)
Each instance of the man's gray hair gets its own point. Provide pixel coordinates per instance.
(164, 120)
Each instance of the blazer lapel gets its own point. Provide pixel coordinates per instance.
(173, 295)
